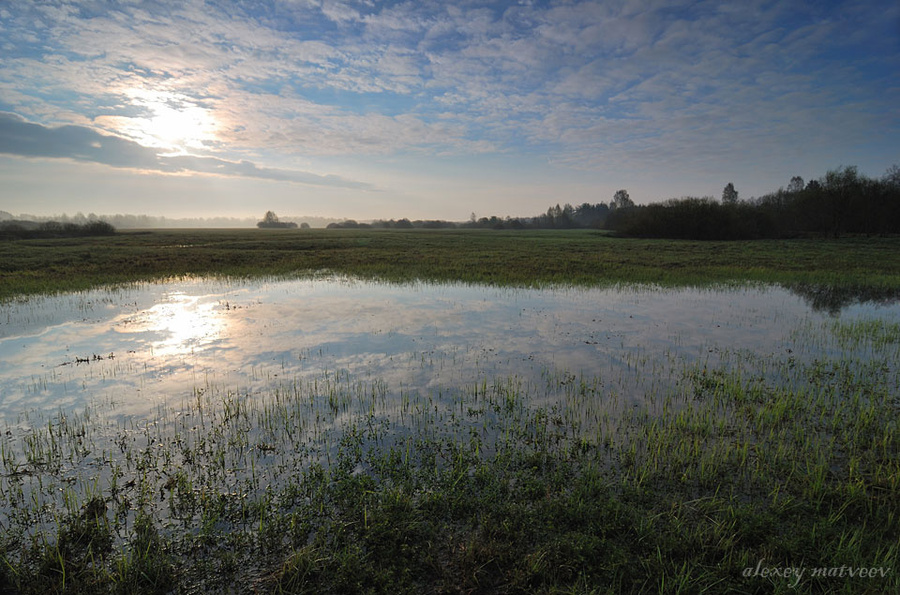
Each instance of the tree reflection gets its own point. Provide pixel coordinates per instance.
(832, 299)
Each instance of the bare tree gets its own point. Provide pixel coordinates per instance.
(892, 176)
(729, 194)
(621, 200)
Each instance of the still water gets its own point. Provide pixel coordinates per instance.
(138, 347)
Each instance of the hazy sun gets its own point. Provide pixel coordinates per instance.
(173, 122)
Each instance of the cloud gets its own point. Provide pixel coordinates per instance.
(21, 138)
(585, 83)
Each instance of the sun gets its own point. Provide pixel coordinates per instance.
(184, 128)
(172, 122)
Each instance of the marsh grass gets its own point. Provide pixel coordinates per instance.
(880, 333)
(333, 484)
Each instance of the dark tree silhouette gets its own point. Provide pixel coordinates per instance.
(796, 185)
(621, 200)
(843, 201)
(270, 221)
(729, 194)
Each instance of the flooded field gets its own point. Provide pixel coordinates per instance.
(160, 400)
(143, 347)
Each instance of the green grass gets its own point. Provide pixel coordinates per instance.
(341, 486)
(531, 258)
(758, 463)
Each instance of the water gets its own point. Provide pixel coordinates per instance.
(140, 346)
(236, 388)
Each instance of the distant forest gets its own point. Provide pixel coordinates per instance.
(842, 201)
(20, 230)
(120, 221)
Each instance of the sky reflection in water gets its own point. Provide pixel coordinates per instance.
(137, 347)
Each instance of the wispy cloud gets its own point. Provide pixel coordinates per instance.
(26, 139)
(673, 85)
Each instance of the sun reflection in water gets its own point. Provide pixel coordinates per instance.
(183, 324)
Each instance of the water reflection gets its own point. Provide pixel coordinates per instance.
(143, 346)
(177, 326)
(831, 299)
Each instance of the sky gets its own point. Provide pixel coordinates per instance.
(434, 109)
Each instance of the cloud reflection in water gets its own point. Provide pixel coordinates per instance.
(146, 345)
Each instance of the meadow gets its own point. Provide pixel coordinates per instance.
(772, 468)
(524, 258)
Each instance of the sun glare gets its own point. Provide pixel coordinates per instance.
(181, 325)
(174, 122)
(185, 128)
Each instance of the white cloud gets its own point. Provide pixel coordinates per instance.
(585, 83)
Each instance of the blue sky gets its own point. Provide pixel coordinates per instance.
(434, 109)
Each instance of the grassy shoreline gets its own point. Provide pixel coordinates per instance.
(525, 258)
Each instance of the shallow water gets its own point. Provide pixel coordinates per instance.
(156, 396)
(140, 346)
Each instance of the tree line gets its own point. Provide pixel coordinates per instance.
(840, 202)
(557, 217)
(843, 201)
(21, 230)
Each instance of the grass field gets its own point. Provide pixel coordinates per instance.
(751, 468)
(761, 474)
(530, 258)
